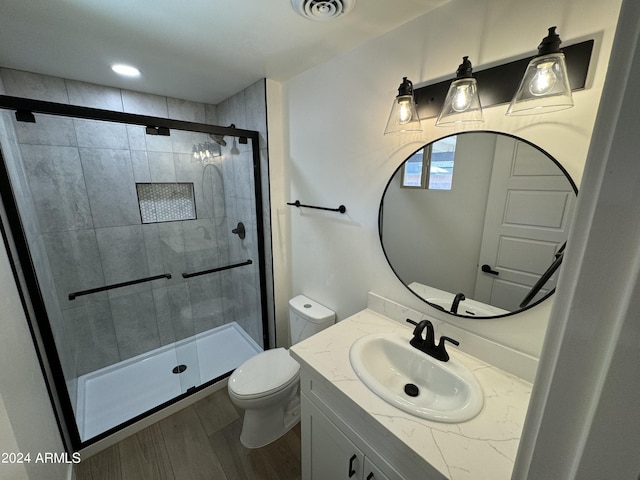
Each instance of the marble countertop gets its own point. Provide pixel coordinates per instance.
(484, 447)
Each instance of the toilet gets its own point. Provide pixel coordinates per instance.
(267, 386)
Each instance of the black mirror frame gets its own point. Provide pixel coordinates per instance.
(380, 220)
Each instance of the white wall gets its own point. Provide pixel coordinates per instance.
(27, 424)
(583, 420)
(334, 118)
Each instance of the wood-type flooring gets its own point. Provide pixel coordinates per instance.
(200, 442)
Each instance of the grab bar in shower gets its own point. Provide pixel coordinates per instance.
(218, 269)
(72, 296)
(297, 203)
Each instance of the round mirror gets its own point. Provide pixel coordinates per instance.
(475, 224)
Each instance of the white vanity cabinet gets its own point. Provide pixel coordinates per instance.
(342, 417)
(358, 449)
(329, 454)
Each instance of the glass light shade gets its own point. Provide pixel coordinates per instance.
(462, 103)
(544, 87)
(403, 116)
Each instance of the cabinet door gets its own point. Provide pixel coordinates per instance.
(327, 453)
(371, 472)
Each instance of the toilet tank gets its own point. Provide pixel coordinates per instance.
(307, 317)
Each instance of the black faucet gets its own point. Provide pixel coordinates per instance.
(427, 343)
(456, 301)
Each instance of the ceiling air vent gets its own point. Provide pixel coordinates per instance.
(322, 10)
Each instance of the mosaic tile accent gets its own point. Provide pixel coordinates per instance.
(166, 202)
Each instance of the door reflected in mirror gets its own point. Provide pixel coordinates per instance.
(481, 214)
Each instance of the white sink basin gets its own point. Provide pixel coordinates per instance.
(446, 391)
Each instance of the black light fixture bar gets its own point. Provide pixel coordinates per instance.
(497, 85)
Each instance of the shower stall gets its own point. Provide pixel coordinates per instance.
(139, 247)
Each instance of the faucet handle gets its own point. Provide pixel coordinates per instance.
(440, 351)
(412, 322)
(449, 339)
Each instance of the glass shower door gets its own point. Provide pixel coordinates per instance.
(120, 225)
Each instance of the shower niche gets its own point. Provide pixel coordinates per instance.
(141, 290)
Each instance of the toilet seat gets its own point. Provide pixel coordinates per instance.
(264, 374)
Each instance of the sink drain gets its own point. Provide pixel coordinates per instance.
(411, 390)
(179, 369)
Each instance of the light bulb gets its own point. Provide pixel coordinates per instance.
(404, 111)
(462, 98)
(544, 79)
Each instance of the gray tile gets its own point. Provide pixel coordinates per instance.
(256, 108)
(134, 320)
(75, 265)
(123, 256)
(22, 192)
(172, 251)
(140, 165)
(210, 191)
(46, 283)
(48, 130)
(91, 332)
(204, 178)
(57, 186)
(207, 303)
(137, 137)
(243, 181)
(158, 143)
(223, 112)
(94, 96)
(164, 247)
(173, 307)
(111, 188)
(98, 134)
(144, 104)
(211, 114)
(201, 249)
(183, 141)
(35, 86)
(161, 167)
(186, 110)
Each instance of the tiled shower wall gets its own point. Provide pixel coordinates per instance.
(95, 241)
(247, 110)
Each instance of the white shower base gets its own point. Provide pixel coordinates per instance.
(119, 392)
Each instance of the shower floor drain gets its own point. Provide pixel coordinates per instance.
(179, 369)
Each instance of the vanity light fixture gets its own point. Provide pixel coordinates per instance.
(545, 85)
(462, 103)
(404, 115)
(498, 83)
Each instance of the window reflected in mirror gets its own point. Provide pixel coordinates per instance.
(430, 167)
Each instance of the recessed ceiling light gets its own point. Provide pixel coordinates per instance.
(125, 70)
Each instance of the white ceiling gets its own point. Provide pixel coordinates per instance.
(201, 50)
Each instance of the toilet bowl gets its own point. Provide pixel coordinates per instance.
(267, 385)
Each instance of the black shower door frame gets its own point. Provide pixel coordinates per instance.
(24, 271)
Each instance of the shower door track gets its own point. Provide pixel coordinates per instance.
(24, 273)
(24, 106)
